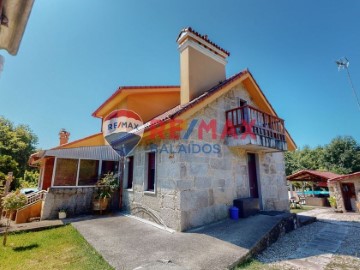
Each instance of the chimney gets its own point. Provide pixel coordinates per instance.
(202, 64)
(64, 136)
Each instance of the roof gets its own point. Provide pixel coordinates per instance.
(142, 87)
(345, 177)
(86, 152)
(204, 37)
(180, 109)
(312, 175)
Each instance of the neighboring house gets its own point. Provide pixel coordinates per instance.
(206, 142)
(346, 190)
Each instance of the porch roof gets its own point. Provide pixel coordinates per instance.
(86, 152)
(345, 177)
(312, 176)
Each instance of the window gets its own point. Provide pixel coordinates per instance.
(66, 172)
(130, 172)
(150, 172)
(109, 167)
(88, 174)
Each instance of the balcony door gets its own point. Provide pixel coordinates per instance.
(253, 179)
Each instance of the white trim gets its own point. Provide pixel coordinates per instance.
(198, 47)
(53, 173)
(41, 178)
(78, 172)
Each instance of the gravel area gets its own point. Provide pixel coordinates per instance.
(346, 257)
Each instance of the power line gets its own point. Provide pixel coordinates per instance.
(343, 63)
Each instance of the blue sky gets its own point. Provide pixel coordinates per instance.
(74, 55)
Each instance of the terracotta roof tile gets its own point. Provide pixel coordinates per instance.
(204, 37)
(345, 177)
(301, 175)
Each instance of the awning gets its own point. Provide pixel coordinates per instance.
(86, 152)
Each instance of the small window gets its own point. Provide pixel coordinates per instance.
(242, 102)
(109, 167)
(150, 172)
(130, 172)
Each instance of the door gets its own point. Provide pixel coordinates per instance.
(348, 192)
(253, 181)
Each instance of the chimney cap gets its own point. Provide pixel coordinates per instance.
(203, 37)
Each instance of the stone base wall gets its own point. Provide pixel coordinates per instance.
(77, 201)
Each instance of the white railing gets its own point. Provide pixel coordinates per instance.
(35, 196)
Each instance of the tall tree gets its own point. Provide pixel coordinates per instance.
(341, 155)
(17, 143)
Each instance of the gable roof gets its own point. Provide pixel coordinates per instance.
(224, 85)
(134, 88)
(345, 177)
(312, 175)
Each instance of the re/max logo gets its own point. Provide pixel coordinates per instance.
(173, 129)
(127, 125)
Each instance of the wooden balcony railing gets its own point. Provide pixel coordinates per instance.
(260, 123)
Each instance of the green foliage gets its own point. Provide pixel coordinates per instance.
(29, 180)
(341, 156)
(106, 186)
(14, 201)
(17, 143)
(332, 201)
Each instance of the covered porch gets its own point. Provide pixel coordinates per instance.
(311, 186)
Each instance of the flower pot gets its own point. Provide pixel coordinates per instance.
(100, 204)
(62, 215)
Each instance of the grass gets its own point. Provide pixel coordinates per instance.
(59, 248)
(303, 209)
(253, 264)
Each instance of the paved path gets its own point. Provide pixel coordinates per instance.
(127, 243)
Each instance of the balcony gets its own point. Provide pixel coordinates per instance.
(252, 129)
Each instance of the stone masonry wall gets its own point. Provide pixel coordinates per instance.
(194, 189)
(76, 200)
(335, 190)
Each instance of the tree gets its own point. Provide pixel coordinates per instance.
(17, 143)
(341, 155)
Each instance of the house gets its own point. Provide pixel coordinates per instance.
(346, 190)
(205, 143)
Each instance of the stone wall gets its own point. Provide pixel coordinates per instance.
(77, 200)
(273, 188)
(194, 189)
(335, 190)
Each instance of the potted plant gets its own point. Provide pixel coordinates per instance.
(104, 189)
(332, 201)
(62, 213)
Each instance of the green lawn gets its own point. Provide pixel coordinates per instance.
(302, 209)
(253, 264)
(59, 248)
